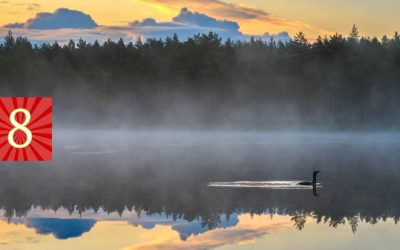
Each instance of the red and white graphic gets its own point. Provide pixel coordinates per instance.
(26, 128)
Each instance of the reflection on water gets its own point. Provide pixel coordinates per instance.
(263, 184)
(174, 191)
(63, 225)
(60, 228)
(161, 232)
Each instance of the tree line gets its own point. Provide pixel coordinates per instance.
(335, 82)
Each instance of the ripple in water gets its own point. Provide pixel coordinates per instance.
(262, 184)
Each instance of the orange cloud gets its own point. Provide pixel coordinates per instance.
(213, 7)
(252, 20)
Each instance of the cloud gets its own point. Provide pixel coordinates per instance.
(196, 18)
(62, 36)
(188, 23)
(61, 18)
(250, 18)
(187, 19)
(15, 25)
(145, 22)
(216, 7)
(33, 6)
(29, 6)
(185, 24)
(151, 22)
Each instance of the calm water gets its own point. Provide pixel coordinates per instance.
(145, 190)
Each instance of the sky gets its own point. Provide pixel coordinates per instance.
(113, 18)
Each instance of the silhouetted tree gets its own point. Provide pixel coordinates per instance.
(354, 35)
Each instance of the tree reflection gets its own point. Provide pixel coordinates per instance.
(299, 219)
(171, 188)
(353, 221)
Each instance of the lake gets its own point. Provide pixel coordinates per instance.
(151, 190)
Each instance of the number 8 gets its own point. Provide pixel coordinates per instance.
(22, 127)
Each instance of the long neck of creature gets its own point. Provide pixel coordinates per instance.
(314, 180)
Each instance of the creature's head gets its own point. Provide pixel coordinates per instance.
(316, 172)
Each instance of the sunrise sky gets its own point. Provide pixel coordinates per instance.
(254, 17)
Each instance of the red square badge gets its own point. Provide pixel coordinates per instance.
(25, 128)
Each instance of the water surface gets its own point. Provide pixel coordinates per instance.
(151, 190)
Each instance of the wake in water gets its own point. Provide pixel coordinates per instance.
(262, 184)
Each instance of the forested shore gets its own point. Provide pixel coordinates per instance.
(333, 83)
